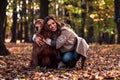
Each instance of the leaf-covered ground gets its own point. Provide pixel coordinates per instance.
(103, 63)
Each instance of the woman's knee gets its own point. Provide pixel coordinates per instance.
(67, 57)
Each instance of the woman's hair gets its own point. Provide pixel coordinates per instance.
(65, 24)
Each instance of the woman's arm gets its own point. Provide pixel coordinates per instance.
(60, 41)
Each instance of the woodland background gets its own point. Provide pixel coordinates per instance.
(98, 21)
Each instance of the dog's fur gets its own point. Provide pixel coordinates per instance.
(45, 55)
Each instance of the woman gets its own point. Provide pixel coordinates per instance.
(67, 41)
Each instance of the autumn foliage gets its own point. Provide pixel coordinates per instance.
(103, 63)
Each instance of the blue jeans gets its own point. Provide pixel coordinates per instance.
(70, 56)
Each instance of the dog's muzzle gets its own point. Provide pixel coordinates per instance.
(36, 27)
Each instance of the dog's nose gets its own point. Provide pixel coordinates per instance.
(36, 28)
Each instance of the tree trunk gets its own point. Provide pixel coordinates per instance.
(21, 31)
(4, 29)
(31, 21)
(26, 39)
(25, 21)
(117, 18)
(14, 25)
(83, 24)
(83, 17)
(3, 5)
(90, 34)
(44, 8)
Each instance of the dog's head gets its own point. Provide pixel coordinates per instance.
(38, 25)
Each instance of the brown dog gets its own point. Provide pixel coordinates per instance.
(44, 56)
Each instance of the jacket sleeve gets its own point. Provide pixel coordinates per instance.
(61, 40)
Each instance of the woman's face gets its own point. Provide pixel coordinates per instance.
(52, 25)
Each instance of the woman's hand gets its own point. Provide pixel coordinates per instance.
(39, 41)
(47, 41)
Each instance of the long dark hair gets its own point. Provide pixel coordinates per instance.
(47, 31)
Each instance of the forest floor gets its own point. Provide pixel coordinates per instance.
(103, 63)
